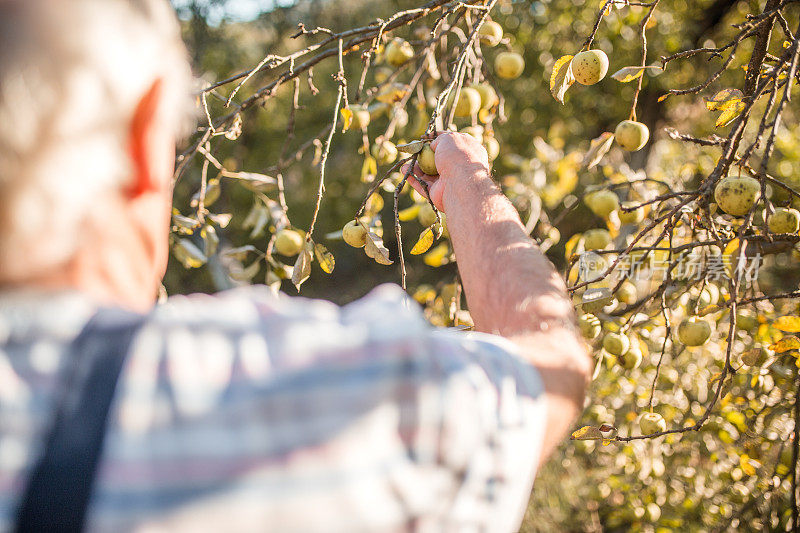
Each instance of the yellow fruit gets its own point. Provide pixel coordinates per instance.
(784, 220)
(627, 292)
(694, 331)
(469, 102)
(427, 216)
(491, 33)
(384, 153)
(398, 51)
(427, 161)
(589, 66)
(631, 217)
(616, 343)
(476, 132)
(589, 326)
(650, 423)
(509, 65)
(488, 95)
(630, 359)
(736, 195)
(631, 135)
(602, 203)
(354, 234)
(492, 146)
(596, 239)
(288, 242)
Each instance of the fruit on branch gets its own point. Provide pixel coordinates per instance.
(746, 320)
(288, 242)
(491, 33)
(589, 66)
(630, 359)
(602, 203)
(398, 51)
(427, 161)
(354, 234)
(708, 296)
(694, 331)
(616, 343)
(650, 423)
(627, 292)
(492, 146)
(384, 152)
(469, 102)
(509, 65)
(361, 116)
(631, 217)
(476, 132)
(631, 135)
(736, 195)
(596, 239)
(488, 95)
(426, 216)
(784, 220)
(589, 325)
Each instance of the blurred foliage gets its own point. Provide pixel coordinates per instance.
(734, 473)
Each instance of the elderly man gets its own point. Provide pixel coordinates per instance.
(240, 411)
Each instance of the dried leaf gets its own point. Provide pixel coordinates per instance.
(587, 433)
(302, 267)
(376, 250)
(597, 149)
(664, 97)
(561, 78)
(413, 147)
(627, 74)
(325, 258)
(424, 242)
(240, 253)
(235, 130)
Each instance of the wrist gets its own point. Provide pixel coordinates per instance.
(468, 187)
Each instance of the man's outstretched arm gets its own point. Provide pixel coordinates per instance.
(511, 287)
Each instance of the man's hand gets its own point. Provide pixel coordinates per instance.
(512, 288)
(460, 158)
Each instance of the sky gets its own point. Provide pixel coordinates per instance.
(237, 10)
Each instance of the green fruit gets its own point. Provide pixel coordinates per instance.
(426, 215)
(746, 320)
(595, 299)
(650, 423)
(708, 296)
(427, 161)
(616, 343)
(589, 326)
(596, 239)
(736, 195)
(492, 146)
(398, 51)
(384, 153)
(491, 33)
(488, 95)
(602, 203)
(627, 293)
(354, 234)
(288, 242)
(509, 65)
(589, 66)
(631, 135)
(630, 359)
(694, 331)
(469, 102)
(361, 116)
(631, 217)
(476, 132)
(784, 220)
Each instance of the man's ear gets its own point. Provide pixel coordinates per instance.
(141, 140)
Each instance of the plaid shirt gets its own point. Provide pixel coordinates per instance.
(247, 412)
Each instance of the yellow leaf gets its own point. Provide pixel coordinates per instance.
(587, 433)
(597, 149)
(369, 169)
(786, 344)
(424, 242)
(664, 97)
(347, 118)
(722, 98)
(409, 213)
(788, 324)
(561, 78)
(730, 111)
(325, 258)
(393, 93)
(437, 256)
(572, 243)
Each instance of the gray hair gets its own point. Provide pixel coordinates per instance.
(71, 76)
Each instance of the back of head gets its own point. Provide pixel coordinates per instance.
(71, 76)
